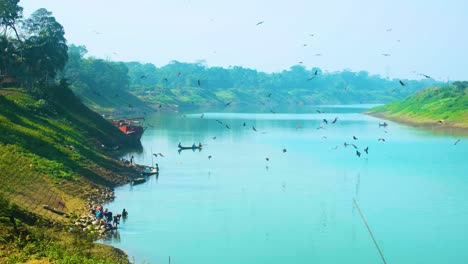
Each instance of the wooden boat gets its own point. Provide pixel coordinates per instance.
(149, 171)
(196, 147)
(192, 147)
(138, 181)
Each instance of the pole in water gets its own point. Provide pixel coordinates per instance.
(169, 259)
(370, 232)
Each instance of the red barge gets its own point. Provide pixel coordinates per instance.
(131, 126)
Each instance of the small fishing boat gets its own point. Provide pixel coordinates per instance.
(192, 147)
(149, 171)
(196, 147)
(138, 181)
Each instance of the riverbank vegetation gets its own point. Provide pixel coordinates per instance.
(49, 156)
(52, 163)
(445, 106)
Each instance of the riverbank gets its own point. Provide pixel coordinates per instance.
(436, 108)
(428, 124)
(53, 170)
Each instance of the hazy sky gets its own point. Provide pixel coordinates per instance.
(421, 36)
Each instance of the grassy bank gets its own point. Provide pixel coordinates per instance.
(444, 107)
(49, 152)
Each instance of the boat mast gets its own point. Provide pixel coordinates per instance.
(152, 164)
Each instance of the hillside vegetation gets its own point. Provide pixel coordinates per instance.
(444, 106)
(49, 152)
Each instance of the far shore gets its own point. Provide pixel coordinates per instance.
(455, 128)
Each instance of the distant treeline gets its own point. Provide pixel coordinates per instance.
(189, 84)
(179, 82)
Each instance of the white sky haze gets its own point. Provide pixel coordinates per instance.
(429, 37)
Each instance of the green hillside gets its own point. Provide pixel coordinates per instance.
(49, 152)
(445, 106)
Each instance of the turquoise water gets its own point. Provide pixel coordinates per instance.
(237, 207)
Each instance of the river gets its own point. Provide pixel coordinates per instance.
(297, 206)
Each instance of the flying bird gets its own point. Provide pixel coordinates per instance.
(456, 142)
(320, 112)
(355, 138)
(388, 30)
(219, 121)
(358, 153)
(267, 159)
(160, 154)
(227, 126)
(382, 139)
(385, 54)
(366, 150)
(269, 95)
(320, 127)
(198, 83)
(259, 23)
(315, 73)
(254, 129)
(325, 121)
(165, 79)
(402, 83)
(284, 150)
(334, 120)
(213, 138)
(143, 77)
(311, 78)
(202, 115)
(243, 124)
(209, 157)
(156, 155)
(427, 76)
(227, 104)
(384, 124)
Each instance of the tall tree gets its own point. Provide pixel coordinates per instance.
(10, 13)
(45, 49)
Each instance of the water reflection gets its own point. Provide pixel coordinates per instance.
(113, 236)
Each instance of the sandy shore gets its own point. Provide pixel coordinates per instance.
(433, 125)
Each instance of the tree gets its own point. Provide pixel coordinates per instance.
(10, 13)
(45, 49)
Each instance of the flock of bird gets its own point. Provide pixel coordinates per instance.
(325, 122)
